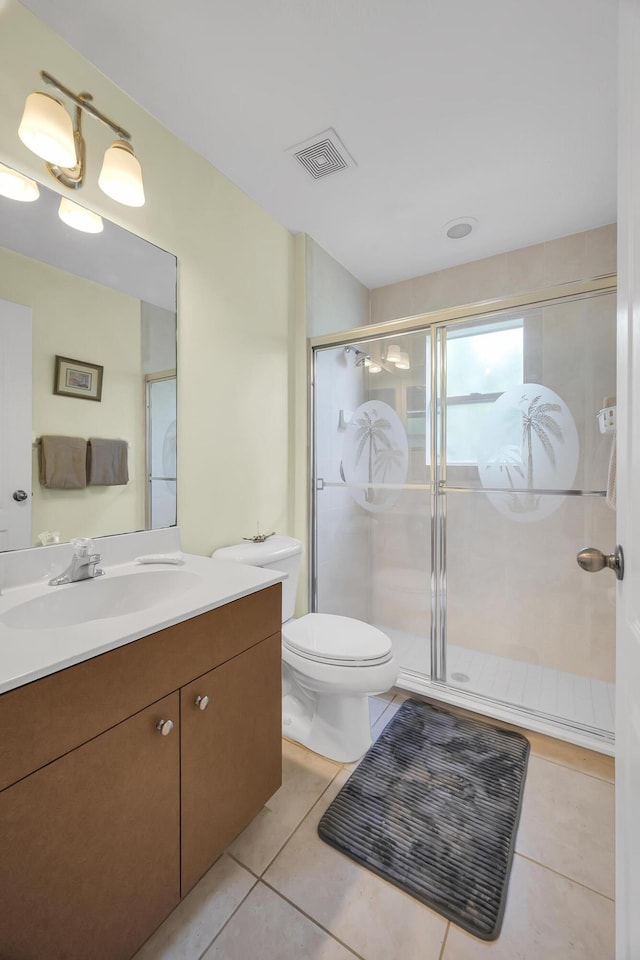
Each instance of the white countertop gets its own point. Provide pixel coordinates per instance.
(27, 654)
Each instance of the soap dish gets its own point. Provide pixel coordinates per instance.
(173, 558)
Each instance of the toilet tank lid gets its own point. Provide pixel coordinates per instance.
(260, 554)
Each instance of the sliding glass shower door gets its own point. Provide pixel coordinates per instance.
(458, 470)
(373, 491)
(522, 489)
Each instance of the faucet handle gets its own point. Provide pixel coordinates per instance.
(82, 546)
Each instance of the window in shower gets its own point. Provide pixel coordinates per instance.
(481, 365)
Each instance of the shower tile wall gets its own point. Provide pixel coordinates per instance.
(580, 256)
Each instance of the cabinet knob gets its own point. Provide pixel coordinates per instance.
(202, 703)
(165, 727)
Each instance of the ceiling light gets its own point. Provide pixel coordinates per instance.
(121, 176)
(47, 129)
(393, 353)
(16, 186)
(403, 363)
(460, 227)
(79, 217)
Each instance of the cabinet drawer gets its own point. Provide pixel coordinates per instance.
(45, 719)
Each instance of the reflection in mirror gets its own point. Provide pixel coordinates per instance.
(105, 300)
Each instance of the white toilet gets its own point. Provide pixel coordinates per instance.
(330, 664)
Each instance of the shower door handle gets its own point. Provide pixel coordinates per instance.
(593, 560)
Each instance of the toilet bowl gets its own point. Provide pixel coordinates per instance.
(331, 665)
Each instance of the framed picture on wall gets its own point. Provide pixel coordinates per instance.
(77, 378)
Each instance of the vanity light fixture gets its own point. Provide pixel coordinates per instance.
(16, 186)
(79, 217)
(47, 129)
(403, 363)
(393, 353)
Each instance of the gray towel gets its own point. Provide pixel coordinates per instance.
(63, 463)
(107, 462)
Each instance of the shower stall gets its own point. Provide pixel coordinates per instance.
(460, 461)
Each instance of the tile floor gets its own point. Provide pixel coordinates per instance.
(280, 893)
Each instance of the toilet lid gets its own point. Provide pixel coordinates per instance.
(324, 636)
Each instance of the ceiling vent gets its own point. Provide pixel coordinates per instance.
(322, 155)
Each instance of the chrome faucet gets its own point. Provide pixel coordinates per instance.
(83, 564)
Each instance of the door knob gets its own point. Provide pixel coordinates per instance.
(19, 495)
(202, 702)
(164, 727)
(593, 560)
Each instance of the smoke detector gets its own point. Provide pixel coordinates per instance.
(322, 155)
(460, 227)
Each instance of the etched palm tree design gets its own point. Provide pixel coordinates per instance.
(385, 462)
(372, 436)
(538, 421)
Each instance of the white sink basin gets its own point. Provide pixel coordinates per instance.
(100, 599)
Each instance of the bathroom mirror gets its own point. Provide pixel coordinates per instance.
(105, 300)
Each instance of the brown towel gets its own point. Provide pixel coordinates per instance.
(107, 462)
(63, 463)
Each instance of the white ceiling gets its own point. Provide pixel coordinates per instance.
(503, 110)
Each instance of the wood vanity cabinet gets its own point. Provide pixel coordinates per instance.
(110, 827)
(229, 766)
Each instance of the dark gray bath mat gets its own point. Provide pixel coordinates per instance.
(434, 808)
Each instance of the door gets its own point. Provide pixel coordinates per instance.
(15, 426)
(525, 462)
(628, 526)
(91, 845)
(231, 721)
(373, 496)
(161, 451)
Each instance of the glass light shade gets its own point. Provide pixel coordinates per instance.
(374, 367)
(403, 363)
(16, 186)
(393, 353)
(47, 130)
(121, 175)
(79, 217)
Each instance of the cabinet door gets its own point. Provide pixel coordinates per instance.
(90, 861)
(231, 752)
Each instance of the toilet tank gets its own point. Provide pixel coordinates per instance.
(276, 553)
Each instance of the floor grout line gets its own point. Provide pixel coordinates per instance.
(232, 856)
(229, 918)
(444, 941)
(296, 828)
(579, 883)
(312, 919)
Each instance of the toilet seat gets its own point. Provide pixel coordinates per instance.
(341, 641)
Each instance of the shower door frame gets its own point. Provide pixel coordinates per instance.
(433, 324)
